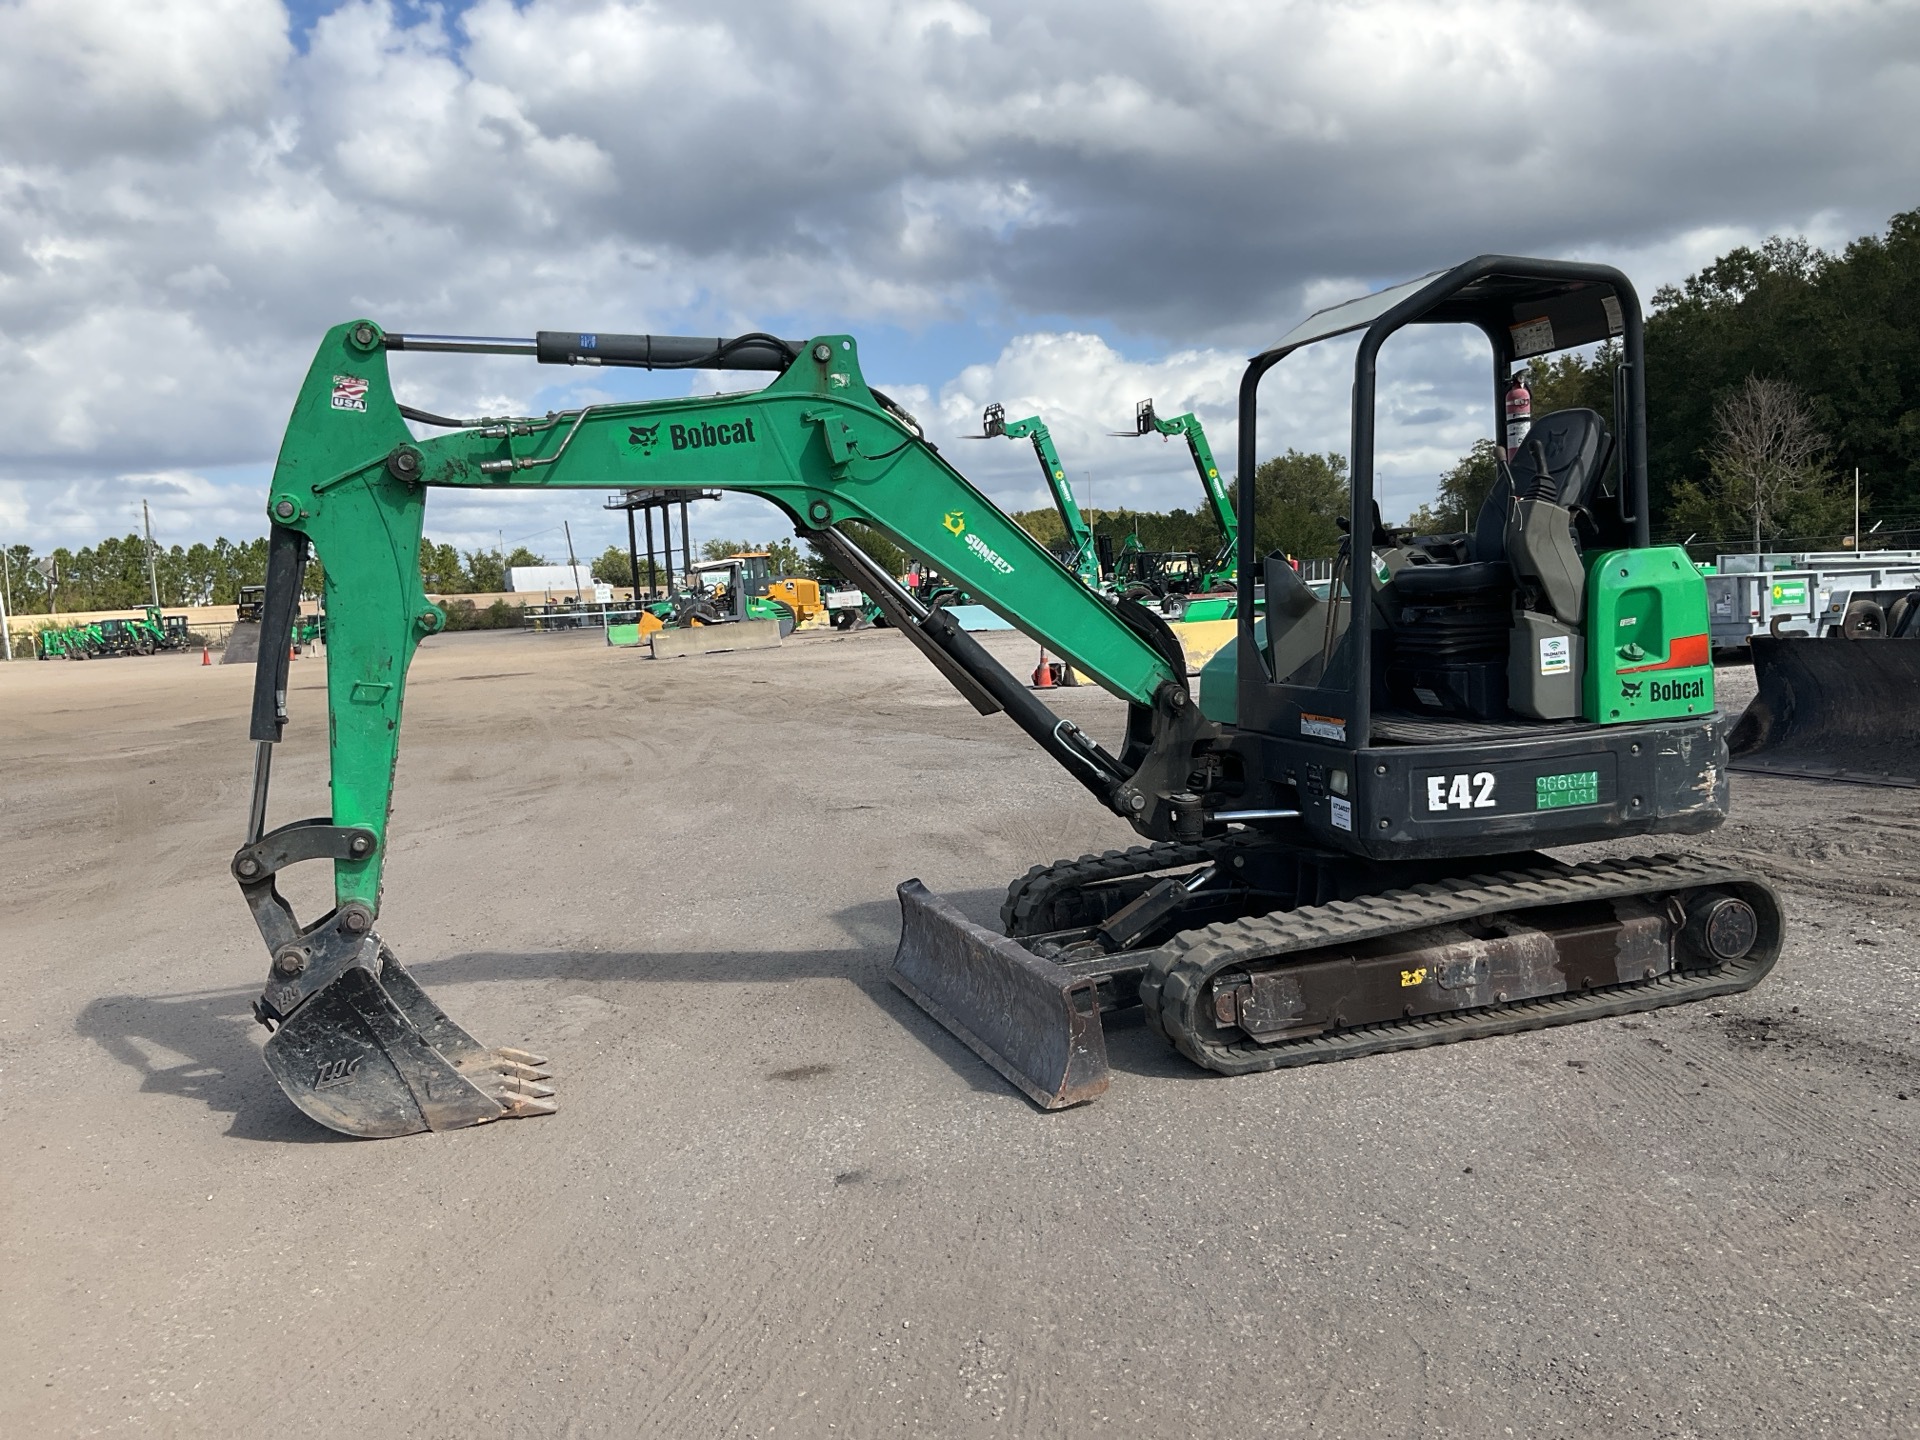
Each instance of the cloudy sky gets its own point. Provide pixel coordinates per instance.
(1065, 207)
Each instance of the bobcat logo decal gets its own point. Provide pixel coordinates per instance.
(1630, 689)
(645, 436)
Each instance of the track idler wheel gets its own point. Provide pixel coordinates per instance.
(370, 1055)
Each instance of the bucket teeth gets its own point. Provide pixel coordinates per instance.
(522, 1057)
(519, 1107)
(513, 1070)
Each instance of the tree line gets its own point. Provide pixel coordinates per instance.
(114, 575)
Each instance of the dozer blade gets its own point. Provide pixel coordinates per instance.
(243, 644)
(373, 1056)
(1833, 709)
(1031, 1020)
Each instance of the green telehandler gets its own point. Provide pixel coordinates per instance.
(1085, 560)
(1343, 837)
(1220, 573)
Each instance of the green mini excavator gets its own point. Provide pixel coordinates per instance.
(1343, 837)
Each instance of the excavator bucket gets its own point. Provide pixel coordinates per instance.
(1833, 709)
(371, 1055)
(1033, 1021)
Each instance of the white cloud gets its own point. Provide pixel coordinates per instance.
(187, 200)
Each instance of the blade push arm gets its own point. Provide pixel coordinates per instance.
(351, 482)
(1086, 557)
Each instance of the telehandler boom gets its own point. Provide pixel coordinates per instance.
(1147, 422)
(1086, 557)
(1344, 832)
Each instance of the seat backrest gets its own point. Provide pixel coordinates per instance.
(1489, 541)
(1562, 458)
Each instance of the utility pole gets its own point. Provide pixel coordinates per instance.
(153, 580)
(573, 565)
(1856, 509)
(6, 630)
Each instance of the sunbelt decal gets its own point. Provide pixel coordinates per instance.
(955, 522)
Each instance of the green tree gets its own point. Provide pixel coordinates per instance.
(1462, 491)
(1843, 329)
(1569, 382)
(1298, 499)
(876, 546)
(522, 556)
(1768, 474)
(783, 556)
(486, 572)
(440, 569)
(614, 567)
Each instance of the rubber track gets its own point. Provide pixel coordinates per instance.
(1174, 990)
(1030, 895)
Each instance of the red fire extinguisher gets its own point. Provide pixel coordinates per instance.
(1519, 412)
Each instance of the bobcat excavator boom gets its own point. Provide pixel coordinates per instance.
(1317, 884)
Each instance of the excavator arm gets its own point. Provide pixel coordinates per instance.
(357, 1044)
(1086, 556)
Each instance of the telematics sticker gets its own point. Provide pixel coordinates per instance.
(349, 392)
(1342, 811)
(1556, 655)
(1557, 792)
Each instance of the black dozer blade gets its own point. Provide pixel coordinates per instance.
(1833, 709)
(1031, 1020)
(371, 1055)
(243, 644)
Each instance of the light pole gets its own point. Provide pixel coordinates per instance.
(153, 580)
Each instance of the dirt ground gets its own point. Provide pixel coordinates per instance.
(779, 1200)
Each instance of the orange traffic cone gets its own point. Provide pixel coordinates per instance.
(1043, 674)
(206, 653)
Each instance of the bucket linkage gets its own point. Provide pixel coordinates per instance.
(356, 1043)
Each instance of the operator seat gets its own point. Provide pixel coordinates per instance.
(1452, 626)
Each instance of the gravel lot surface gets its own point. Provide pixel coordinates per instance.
(779, 1200)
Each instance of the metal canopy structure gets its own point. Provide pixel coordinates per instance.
(1541, 315)
(646, 502)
